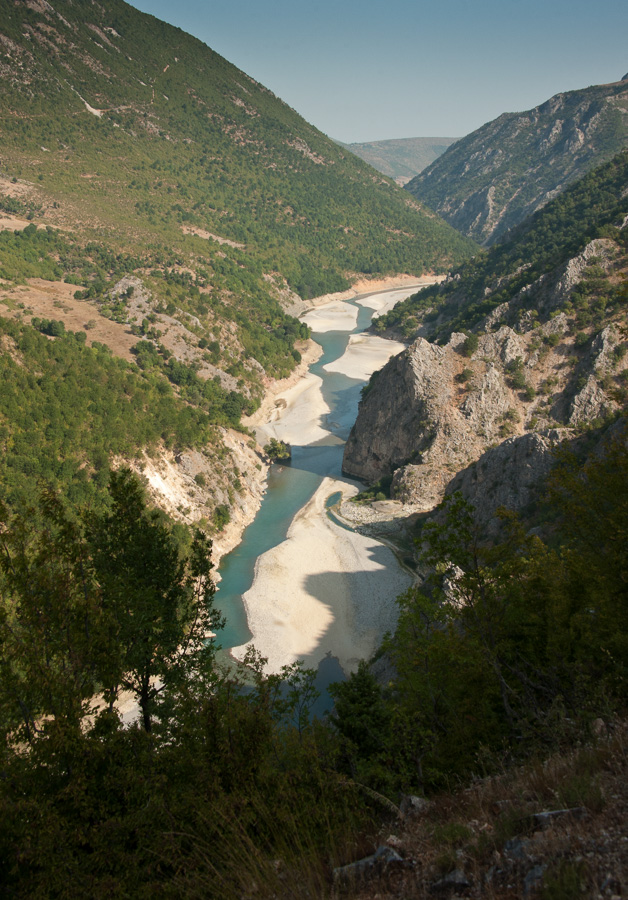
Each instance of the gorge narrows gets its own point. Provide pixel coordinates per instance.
(299, 585)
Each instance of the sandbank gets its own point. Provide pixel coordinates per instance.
(365, 354)
(332, 316)
(302, 390)
(310, 352)
(384, 302)
(297, 415)
(358, 577)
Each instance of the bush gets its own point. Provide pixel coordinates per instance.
(222, 516)
(470, 345)
(51, 327)
(518, 381)
(277, 450)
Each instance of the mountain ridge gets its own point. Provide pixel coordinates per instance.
(491, 180)
(400, 158)
(518, 350)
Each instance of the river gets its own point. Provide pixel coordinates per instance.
(299, 585)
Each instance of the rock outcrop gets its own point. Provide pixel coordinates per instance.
(420, 420)
(438, 421)
(550, 292)
(508, 476)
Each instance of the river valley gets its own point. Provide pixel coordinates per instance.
(300, 585)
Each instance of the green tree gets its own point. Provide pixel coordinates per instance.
(277, 450)
(52, 630)
(470, 345)
(159, 601)
(99, 602)
(593, 609)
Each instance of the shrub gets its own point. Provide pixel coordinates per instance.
(470, 345)
(463, 377)
(277, 450)
(222, 516)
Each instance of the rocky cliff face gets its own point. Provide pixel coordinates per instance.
(497, 176)
(544, 297)
(429, 414)
(509, 476)
(438, 421)
(191, 484)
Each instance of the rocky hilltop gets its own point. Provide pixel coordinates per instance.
(494, 178)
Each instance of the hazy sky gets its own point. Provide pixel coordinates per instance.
(365, 70)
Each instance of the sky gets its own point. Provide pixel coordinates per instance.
(367, 70)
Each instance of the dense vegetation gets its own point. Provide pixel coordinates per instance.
(185, 140)
(494, 178)
(67, 409)
(217, 789)
(95, 603)
(595, 206)
(536, 628)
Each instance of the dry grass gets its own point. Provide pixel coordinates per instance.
(490, 833)
(55, 300)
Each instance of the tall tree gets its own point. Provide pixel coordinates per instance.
(98, 602)
(51, 622)
(159, 600)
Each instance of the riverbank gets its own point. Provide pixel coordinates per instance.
(364, 286)
(274, 395)
(358, 576)
(364, 355)
(324, 588)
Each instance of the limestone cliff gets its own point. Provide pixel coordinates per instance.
(422, 422)
(509, 476)
(438, 421)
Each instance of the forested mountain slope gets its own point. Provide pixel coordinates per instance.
(401, 158)
(593, 207)
(492, 179)
(519, 349)
(173, 197)
(132, 125)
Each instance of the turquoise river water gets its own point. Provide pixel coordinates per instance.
(289, 489)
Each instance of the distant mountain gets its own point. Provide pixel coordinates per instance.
(492, 179)
(403, 158)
